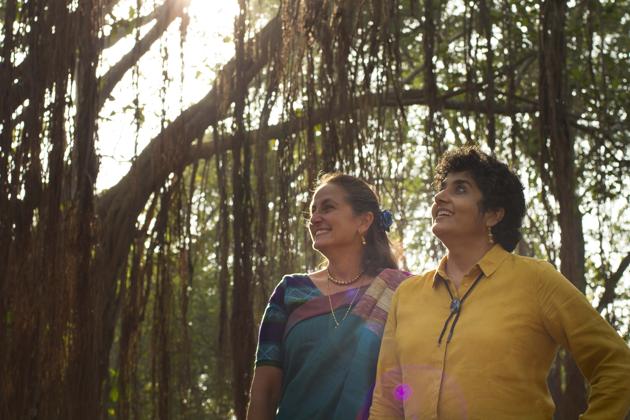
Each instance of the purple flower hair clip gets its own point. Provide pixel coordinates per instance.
(385, 219)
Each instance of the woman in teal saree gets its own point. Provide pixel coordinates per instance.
(320, 335)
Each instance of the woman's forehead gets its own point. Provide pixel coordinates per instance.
(328, 191)
(459, 176)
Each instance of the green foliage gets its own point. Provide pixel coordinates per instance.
(379, 91)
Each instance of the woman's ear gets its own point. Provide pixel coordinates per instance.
(366, 220)
(494, 216)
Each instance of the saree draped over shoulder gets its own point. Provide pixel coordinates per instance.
(329, 370)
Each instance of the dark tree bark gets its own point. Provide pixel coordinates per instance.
(485, 8)
(88, 369)
(242, 318)
(431, 9)
(557, 138)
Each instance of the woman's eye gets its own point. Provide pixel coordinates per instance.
(322, 209)
(460, 189)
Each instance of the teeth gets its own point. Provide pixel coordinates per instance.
(444, 213)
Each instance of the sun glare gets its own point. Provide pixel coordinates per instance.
(216, 13)
(189, 75)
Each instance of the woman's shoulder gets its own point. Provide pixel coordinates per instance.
(397, 272)
(295, 280)
(394, 275)
(297, 288)
(397, 279)
(415, 280)
(539, 273)
(532, 264)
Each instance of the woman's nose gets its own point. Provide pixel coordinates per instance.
(440, 196)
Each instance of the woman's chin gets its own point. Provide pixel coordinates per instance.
(325, 247)
(437, 230)
(319, 246)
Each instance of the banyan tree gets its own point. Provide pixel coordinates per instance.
(101, 291)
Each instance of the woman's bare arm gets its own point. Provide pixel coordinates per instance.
(265, 393)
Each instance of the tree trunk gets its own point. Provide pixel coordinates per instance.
(555, 134)
(86, 363)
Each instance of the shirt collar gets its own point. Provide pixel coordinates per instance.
(488, 263)
(440, 272)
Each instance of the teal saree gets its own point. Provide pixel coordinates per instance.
(329, 371)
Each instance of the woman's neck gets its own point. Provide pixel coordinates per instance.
(345, 266)
(462, 257)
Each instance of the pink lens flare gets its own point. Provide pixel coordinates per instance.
(402, 392)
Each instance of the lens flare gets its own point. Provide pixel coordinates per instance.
(402, 392)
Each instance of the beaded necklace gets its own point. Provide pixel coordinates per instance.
(341, 282)
(332, 311)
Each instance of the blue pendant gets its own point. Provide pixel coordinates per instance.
(455, 305)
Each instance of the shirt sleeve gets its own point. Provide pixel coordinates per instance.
(600, 353)
(274, 320)
(385, 404)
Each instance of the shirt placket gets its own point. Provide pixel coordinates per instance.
(457, 293)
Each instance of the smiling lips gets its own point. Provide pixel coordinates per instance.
(320, 231)
(441, 212)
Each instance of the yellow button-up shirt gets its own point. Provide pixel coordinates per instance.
(496, 364)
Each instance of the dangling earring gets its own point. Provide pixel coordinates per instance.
(363, 241)
(490, 235)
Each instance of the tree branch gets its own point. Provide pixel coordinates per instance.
(122, 28)
(119, 207)
(167, 13)
(408, 97)
(113, 76)
(611, 283)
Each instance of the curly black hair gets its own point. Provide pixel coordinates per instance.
(499, 186)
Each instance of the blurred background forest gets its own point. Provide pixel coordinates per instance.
(157, 157)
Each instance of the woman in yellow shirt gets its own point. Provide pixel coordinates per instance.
(475, 337)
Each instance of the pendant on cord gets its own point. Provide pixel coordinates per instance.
(455, 305)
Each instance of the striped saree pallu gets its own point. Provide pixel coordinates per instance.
(329, 371)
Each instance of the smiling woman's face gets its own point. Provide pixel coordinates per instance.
(456, 210)
(333, 224)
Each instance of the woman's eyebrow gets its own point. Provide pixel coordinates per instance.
(462, 182)
(458, 181)
(321, 203)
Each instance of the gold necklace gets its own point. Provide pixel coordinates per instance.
(332, 311)
(341, 282)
